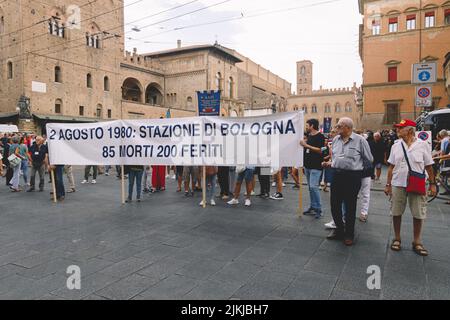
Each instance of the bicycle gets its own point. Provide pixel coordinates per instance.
(442, 176)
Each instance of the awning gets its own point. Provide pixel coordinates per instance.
(6, 128)
(6, 117)
(57, 118)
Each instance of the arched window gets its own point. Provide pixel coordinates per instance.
(10, 70)
(98, 111)
(106, 83)
(302, 70)
(56, 27)
(93, 33)
(219, 81)
(2, 24)
(58, 77)
(89, 80)
(337, 107)
(305, 108)
(327, 108)
(153, 95)
(58, 106)
(231, 87)
(189, 102)
(348, 107)
(314, 108)
(132, 90)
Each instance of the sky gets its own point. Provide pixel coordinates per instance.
(273, 33)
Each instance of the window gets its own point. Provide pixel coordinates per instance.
(376, 28)
(189, 102)
(10, 70)
(348, 107)
(89, 80)
(109, 113)
(392, 113)
(81, 110)
(98, 111)
(429, 19)
(231, 87)
(58, 77)
(2, 24)
(93, 40)
(106, 83)
(446, 14)
(393, 24)
(303, 70)
(392, 74)
(314, 108)
(305, 109)
(219, 81)
(58, 104)
(411, 22)
(327, 108)
(56, 28)
(337, 107)
(300, 92)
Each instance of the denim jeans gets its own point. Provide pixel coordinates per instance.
(211, 191)
(135, 175)
(313, 178)
(329, 173)
(24, 168)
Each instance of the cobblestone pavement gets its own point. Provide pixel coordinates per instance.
(167, 247)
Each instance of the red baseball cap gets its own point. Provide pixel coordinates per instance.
(405, 123)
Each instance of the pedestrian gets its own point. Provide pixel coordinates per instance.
(15, 160)
(409, 159)
(147, 184)
(190, 174)
(223, 177)
(244, 173)
(366, 183)
(135, 174)
(313, 158)
(264, 181)
(87, 172)
(278, 195)
(25, 156)
(158, 178)
(443, 135)
(39, 159)
(69, 173)
(59, 181)
(232, 180)
(349, 151)
(179, 177)
(211, 175)
(9, 169)
(379, 152)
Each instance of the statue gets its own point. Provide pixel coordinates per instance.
(24, 108)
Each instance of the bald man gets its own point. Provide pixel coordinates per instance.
(379, 152)
(39, 159)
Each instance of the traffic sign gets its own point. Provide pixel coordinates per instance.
(424, 73)
(425, 136)
(424, 97)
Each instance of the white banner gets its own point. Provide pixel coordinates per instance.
(269, 141)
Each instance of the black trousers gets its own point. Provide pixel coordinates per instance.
(223, 175)
(9, 175)
(345, 189)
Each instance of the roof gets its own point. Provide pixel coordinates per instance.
(9, 114)
(215, 48)
(64, 118)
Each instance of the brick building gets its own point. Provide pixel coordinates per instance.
(394, 35)
(324, 103)
(64, 61)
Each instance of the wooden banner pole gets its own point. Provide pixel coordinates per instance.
(204, 187)
(52, 173)
(300, 192)
(123, 183)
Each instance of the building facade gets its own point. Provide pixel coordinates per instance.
(324, 103)
(394, 35)
(65, 61)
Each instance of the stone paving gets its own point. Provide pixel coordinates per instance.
(167, 247)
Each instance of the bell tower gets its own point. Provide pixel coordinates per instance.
(304, 77)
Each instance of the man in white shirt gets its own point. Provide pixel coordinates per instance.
(419, 157)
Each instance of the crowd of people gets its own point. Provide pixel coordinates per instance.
(343, 163)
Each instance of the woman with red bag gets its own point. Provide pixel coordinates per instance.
(409, 159)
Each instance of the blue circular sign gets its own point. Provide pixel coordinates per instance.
(423, 136)
(424, 76)
(424, 93)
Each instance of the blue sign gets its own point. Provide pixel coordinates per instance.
(208, 103)
(424, 76)
(326, 125)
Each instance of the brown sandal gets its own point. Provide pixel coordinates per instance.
(419, 249)
(396, 245)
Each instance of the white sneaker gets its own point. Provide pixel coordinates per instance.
(248, 203)
(274, 184)
(233, 201)
(213, 203)
(330, 225)
(284, 184)
(253, 193)
(201, 204)
(84, 182)
(174, 177)
(94, 182)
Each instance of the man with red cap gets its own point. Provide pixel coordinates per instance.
(409, 155)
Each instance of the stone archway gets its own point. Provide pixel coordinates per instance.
(132, 90)
(153, 95)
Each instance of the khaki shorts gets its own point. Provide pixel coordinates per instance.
(417, 203)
